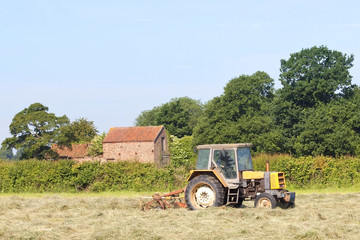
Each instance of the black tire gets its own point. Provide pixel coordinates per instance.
(239, 203)
(285, 205)
(291, 205)
(282, 204)
(265, 200)
(204, 191)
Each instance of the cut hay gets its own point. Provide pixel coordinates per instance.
(317, 216)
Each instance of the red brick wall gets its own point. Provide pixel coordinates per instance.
(146, 152)
(129, 151)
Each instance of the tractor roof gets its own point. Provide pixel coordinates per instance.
(222, 146)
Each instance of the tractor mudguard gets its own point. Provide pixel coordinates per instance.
(215, 173)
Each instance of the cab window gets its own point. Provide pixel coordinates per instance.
(203, 159)
(244, 159)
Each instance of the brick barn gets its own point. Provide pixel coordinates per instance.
(142, 144)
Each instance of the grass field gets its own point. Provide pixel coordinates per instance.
(118, 216)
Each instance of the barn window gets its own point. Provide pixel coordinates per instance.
(162, 144)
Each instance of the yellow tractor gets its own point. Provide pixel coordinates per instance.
(224, 175)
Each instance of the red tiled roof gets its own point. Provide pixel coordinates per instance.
(77, 151)
(133, 134)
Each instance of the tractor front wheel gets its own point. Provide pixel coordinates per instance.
(204, 191)
(265, 200)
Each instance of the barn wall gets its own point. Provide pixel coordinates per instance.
(130, 151)
(161, 149)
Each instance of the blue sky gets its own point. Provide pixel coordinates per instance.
(110, 60)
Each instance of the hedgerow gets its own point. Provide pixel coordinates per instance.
(69, 176)
(304, 172)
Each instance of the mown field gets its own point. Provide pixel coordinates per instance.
(114, 216)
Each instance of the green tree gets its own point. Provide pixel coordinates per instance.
(331, 129)
(6, 153)
(18, 154)
(179, 116)
(310, 78)
(245, 95)
(148, 117)
(96, 147)
(241, 114)
(78, 131)
(34, 130)
(315, 75)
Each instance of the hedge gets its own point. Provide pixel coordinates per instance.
(305, 172)
(68, 176)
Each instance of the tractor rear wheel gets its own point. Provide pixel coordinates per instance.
(265, 200)
(204, 191)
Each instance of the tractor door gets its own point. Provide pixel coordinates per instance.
(225, 161)
(244, 159)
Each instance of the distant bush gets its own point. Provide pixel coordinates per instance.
(183, 158)
(182, 152)
(96, 147)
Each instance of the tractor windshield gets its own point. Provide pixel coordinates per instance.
(244, 159)
(203, 159)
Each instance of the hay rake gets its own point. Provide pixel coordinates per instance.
(173, 199)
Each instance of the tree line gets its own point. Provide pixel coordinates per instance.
(34, 131)
(315, 112)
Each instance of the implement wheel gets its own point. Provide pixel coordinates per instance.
(265, 200)
(204, 191)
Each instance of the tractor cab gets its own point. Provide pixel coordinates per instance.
(229, 160)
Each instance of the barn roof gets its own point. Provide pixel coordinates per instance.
(133, 134)
(76, 151)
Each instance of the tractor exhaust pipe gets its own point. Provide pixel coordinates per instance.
(267, 166)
